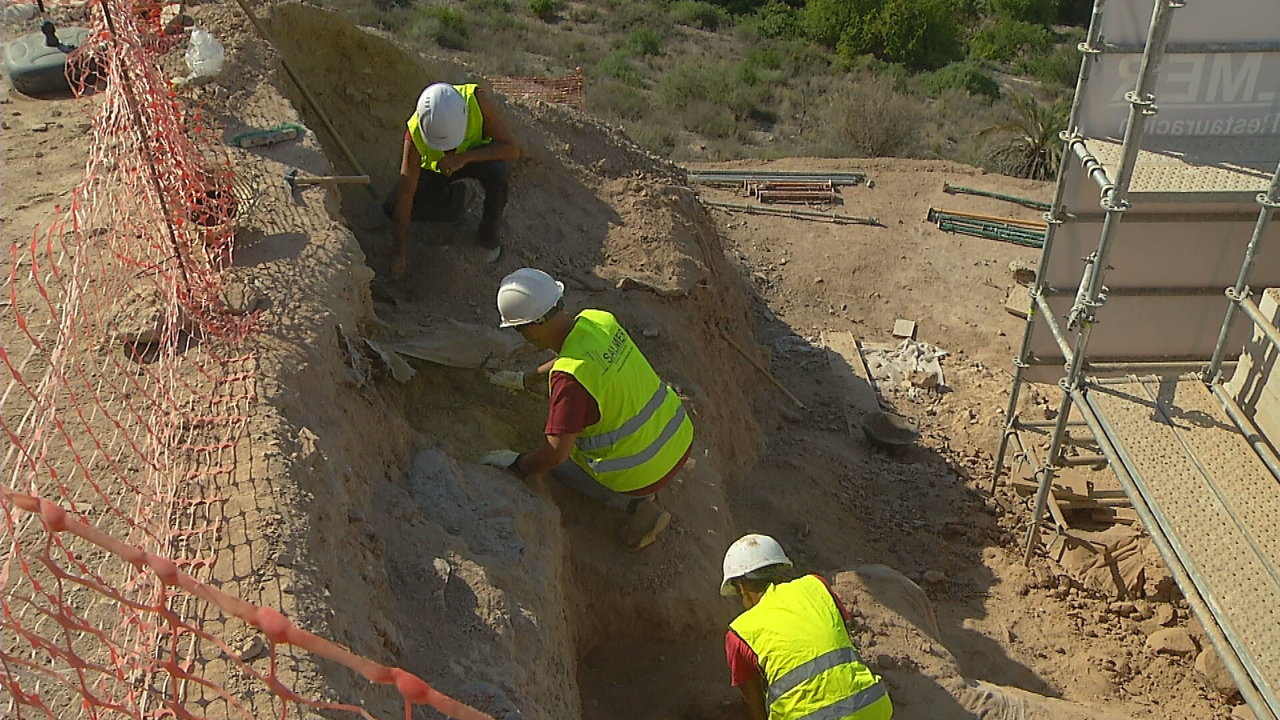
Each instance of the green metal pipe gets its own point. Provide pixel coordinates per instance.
(1025, 202)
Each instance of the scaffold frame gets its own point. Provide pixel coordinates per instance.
(1071, 335)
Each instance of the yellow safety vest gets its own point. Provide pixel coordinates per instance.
(473, 138)
(811, 669)
(643, 429)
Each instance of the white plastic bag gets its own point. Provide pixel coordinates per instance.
(204, 55)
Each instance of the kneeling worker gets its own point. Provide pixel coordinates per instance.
(789, 653)
(455, 133)
(615, 431)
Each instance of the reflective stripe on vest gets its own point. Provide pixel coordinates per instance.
(811, 670)
(850, 705)
(643, 429)
(475, 130)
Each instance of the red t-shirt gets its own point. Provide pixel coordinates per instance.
(743, 662)
(572, 409)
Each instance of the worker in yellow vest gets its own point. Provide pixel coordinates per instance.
(789, 653)
(615, 431)
(455, 134)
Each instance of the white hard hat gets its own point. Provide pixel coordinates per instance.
(748, 553)
(442, 116)
(526, 295)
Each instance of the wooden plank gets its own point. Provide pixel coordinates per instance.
(856, 385)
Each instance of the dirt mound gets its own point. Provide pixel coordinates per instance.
(510, 595)
(900, 639)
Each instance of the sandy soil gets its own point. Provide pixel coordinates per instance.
(361, 510)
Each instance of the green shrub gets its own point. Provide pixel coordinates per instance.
(695, 13)
(824, 21)
(777, 20)
(544, 10)
(1030, 146)
(654, 138)
(869, 118)
(488, 6)
(644, 41)
(1058, 68)
(631, 15)
(448, 28)
(618, 65)
(1006, 39)
(710, 118)
(921, 34)
(966, 76)
(1041, 12)
(616, 100)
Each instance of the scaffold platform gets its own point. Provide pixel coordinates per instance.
(1182, 460)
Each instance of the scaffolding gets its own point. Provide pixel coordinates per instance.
(1202, 477)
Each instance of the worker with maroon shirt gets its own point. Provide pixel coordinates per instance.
(615, 431)
(789, 652)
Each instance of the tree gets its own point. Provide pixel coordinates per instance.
(1032, 148)
(921, 34)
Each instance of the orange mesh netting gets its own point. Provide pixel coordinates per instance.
(131, 387)
(566, 90)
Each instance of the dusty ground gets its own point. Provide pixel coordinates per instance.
(364, 514)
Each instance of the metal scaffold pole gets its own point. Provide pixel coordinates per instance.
(1114, 202)
(1269, 200)
(1054, 218)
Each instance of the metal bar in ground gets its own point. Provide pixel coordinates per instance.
(1172, 552)
(835, 218)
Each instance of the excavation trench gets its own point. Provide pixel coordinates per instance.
(518, 596)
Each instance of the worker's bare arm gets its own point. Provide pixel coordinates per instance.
(503, 147)
(753, 693)
(535, 380)
(406, 188)
(551, 454)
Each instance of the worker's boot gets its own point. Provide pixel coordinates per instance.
(645, 522)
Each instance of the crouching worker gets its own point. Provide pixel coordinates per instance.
(456, 133)
(615, 431)
(789, 653)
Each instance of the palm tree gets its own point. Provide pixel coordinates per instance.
(1032, 149)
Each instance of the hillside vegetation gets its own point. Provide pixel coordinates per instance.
(978, 81)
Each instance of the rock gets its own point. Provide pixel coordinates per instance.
(1214, 673)
(252, 649)
(1242, 712)
(240, 298)
(818, 280)
(40, 127)
(1165, 615)
(1143, 610)
(1172, 641)
(1122, 608)
(934, 577)
(142, 316)
(1023, 271)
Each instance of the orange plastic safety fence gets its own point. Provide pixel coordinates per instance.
(567, 90)
(131, 386)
